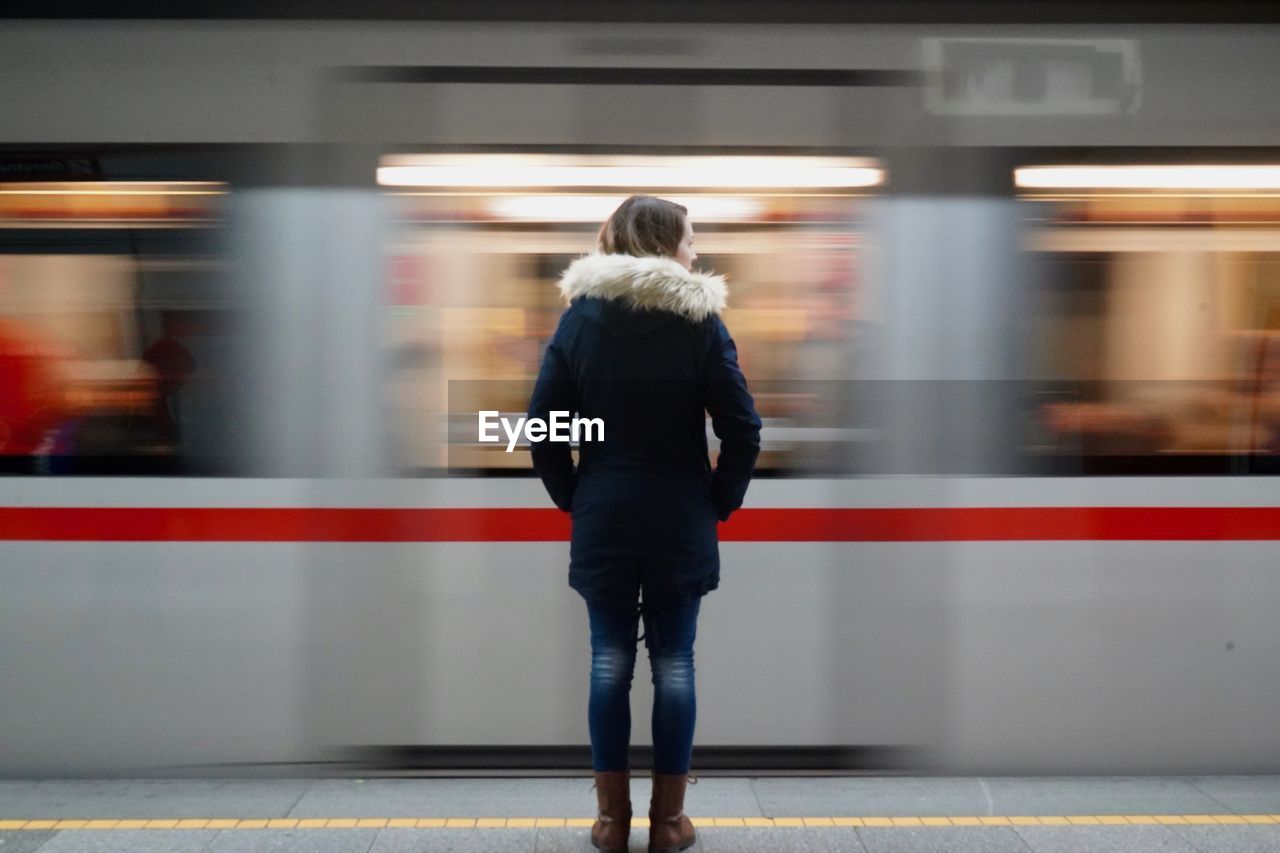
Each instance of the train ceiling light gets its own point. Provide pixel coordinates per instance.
(108, 204)
(1179, 177)
(557, 171)
(113, 188)
(597, 208)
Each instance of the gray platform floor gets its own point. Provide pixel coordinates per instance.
(1184, 813)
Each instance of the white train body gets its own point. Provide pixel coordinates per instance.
(1113, 632)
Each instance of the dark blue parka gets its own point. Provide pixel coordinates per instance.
(642, 347)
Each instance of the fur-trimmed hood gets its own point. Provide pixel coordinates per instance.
(652, 284)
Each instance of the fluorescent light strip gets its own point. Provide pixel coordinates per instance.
(596, 208)
(520, 171)
(1149, 177)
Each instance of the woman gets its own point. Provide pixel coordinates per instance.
(642, 347)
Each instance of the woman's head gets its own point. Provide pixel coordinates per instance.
(645, 226)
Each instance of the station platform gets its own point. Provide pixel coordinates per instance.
(545, 815)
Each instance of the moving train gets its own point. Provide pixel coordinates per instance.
(1008, 299)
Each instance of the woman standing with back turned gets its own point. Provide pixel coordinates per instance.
(642, 347)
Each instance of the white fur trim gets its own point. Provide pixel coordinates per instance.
(657, 284)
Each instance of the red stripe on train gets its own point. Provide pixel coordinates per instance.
(969, 524)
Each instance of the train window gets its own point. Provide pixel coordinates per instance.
(1158, 322)
(481, 240)
(111, 306)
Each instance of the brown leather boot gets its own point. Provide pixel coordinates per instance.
(669, 829)
(613, 824)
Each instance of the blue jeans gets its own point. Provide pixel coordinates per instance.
(668, 634)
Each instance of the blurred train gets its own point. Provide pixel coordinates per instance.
(1008, 299)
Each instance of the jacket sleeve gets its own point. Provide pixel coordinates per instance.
(734, 420)
(554, 391)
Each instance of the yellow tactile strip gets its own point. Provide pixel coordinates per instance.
(642, 822)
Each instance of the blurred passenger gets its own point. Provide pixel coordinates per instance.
(1109, 428)
(173, 364)
(643, 348)
(33, 394)
(1264, 397)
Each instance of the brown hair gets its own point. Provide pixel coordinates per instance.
(644, 226)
